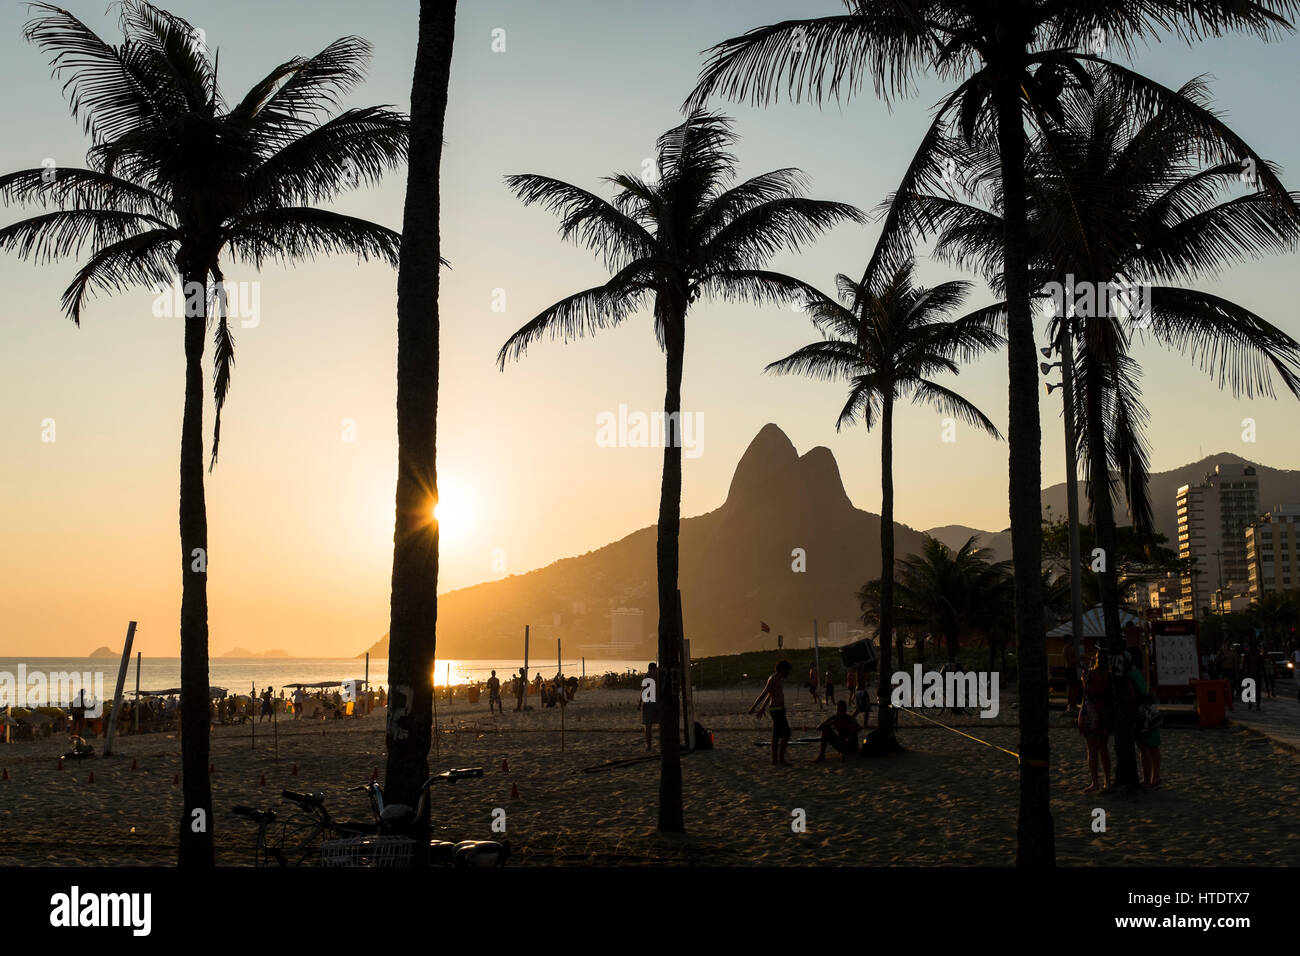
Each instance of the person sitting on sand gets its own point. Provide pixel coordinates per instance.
(773, 695)
(1097, 721)
(79, 747)
(840, 731)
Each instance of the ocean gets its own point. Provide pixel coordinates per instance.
(240, 675)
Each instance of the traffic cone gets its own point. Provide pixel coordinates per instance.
(212, 768)
(60, 763)
(5, 775)
(374, 774)
(294, 771)
(91, 778)
(505, 766)
(176, 780)
(135, 764)
(514, 791)
(262, 782)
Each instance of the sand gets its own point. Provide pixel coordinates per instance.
(1228, 799)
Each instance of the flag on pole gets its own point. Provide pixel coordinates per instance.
(763, 625)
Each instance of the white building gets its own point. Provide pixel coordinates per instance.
(1212, 520)
(626, 625)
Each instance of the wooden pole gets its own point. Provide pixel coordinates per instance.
(367, 684)
(559, 687)
(687, 707)
(817, 658)
(525, 703)
(684, 656)
(252, 705)
(436, 752)
(117, 693)
(136, 712)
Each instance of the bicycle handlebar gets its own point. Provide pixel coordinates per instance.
(311, 801)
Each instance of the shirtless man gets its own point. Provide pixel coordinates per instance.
(773, 695)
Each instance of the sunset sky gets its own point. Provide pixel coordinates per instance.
(300, 520)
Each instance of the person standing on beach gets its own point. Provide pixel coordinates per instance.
(1230, 669)
(1097, 722)
(1253, 668)
(267, 713)
(773, 695)
(812, 684)
(1073, 685)
(650, 708)
(830, 685)
(494, 694)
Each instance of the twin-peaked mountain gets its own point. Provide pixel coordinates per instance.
(736, 569)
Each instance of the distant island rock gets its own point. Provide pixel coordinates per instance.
(102, 652)
(244, 652)
(379, 649)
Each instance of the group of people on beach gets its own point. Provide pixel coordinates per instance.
(1236, 664)
(840, 731)
(1106, 691)
(856, 681)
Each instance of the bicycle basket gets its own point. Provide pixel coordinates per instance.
(370, 851)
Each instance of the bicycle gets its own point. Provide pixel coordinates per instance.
(299, 837)
(388, 842)
(400, 821)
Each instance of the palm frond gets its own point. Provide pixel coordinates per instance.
(289, 233)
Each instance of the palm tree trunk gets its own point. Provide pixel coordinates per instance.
(671, 816)
(886, 725)
(1103, 516)
(195, 848)
(413, 614)
(1034, 829)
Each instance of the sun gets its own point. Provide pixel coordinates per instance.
(454, 511)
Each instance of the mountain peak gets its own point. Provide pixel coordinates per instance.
(772, 472)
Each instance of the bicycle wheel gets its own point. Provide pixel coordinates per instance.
(296, 840)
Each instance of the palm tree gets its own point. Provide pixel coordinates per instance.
(1121, 191)
(175, 180)
(1273, 610)
(950, 588)
(1006, 53)
(667, 243)
(888, 346)
(413, 613)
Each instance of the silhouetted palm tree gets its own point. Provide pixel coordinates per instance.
(1004, 54)
(175, 180)
(889, 345)
(668, 242)
(951, 589)
(1124, 194)
(413, 613)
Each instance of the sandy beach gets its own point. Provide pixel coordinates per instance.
(1228, 796)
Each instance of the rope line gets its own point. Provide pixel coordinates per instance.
(1019, 759)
